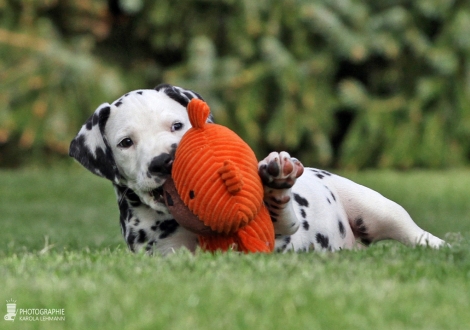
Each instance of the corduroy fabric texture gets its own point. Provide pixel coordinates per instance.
(216, 175)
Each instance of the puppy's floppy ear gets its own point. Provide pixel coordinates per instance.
(90, 147)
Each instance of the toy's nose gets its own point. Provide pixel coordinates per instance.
(161, 164)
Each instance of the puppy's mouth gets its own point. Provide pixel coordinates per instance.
(157, 195)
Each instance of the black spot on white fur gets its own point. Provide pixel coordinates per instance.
(142, 235)
(92, 121)
(130, 239)
(168, 227)
(130, 196)
(342, 230)
(182, 96)
(323, 173)
(124, 214)
(332, 195)
(361, 229)
(178, 94)
(323, 240)
(300, 200)
(305, 225)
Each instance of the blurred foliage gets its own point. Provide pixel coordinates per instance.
(344, 83)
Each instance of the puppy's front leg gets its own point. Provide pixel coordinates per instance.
(278, 172)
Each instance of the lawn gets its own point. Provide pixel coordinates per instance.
(61, 249)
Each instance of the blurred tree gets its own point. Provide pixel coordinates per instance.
(345, 83)
(49, 79)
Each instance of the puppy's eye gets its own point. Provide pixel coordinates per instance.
(126, 143)
(176, 126)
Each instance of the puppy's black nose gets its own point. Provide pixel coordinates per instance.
(161, 164)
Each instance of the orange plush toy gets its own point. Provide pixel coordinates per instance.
(215, 189)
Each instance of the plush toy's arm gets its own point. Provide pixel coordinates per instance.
(231, 176)
(237, 213)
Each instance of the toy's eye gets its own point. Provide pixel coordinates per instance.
(176, 126)
(126, 143)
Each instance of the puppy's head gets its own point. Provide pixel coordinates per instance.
(132, 141)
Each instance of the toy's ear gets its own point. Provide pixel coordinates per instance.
(198, 112)
(90, 147)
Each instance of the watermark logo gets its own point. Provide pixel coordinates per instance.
(33, 314)
(11, 310)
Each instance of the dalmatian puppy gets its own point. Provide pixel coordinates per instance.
(132, 143)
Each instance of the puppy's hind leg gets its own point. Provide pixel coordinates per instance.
(373, 217)
(278, 172)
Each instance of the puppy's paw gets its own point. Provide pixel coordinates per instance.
(279, 170)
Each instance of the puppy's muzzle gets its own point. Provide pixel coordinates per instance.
(161, 165)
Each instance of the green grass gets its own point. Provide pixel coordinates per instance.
(61, 248)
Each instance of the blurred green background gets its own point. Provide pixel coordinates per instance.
(348, 84)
